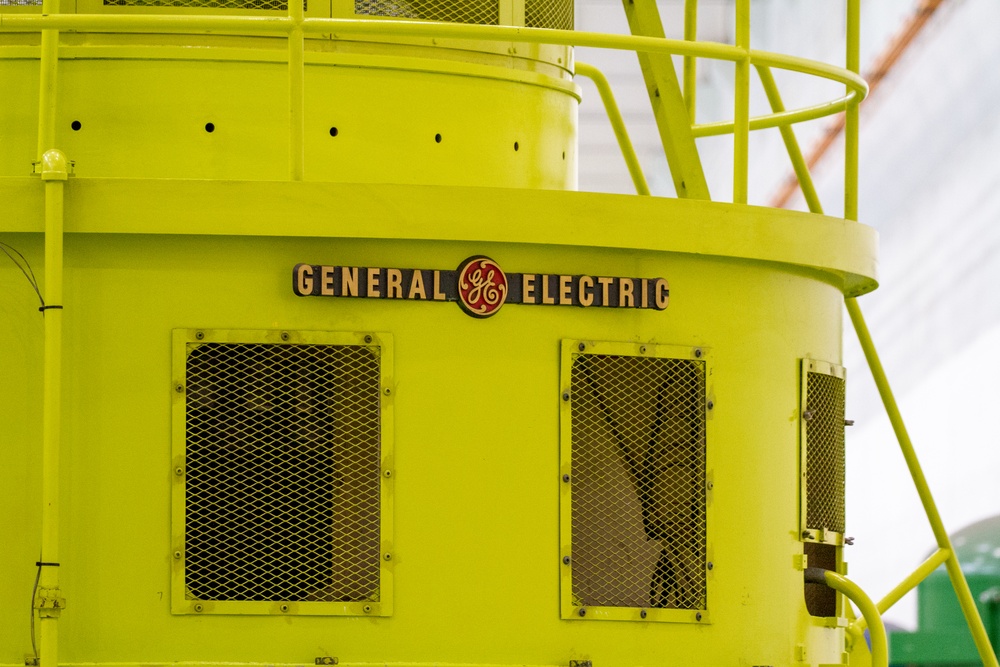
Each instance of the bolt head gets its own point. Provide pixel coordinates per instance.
(642, 614)
(177, 555)
(565, 478)
(368, 338)
(581, 347)
(565, 560)
(284, 608)
(367, 609)
(642, 349)
(388, 473)
(710, 405)
(697, 353)
(200, 335)
(582, 612)
(697, 616)
(710, 565)
(565, 395)
(178, 471)
(284, 335)
(199, 608)
(387, 556)
(387, 391)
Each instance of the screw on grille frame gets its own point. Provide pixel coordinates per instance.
(710, 565)
(642, 614)
(179, 471)
(583, 611)
(565, 396)
(284, 608)
(582, 347)
(367, 609)
(285, 336)
(388, 556)
(199, 335)
(199, 608)
(565, 478)
(368, 338)
(697, 616)
(177, 555)
(698, 353)
(565, 560)
(179, 388)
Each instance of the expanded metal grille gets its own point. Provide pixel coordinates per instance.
(556, 14)
(638, 472)
(483, 12)
(274, 5)
(824, 452)
(282, 473)
(20, 3)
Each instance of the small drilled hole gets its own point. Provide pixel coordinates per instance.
(516, 146)
(437, 138)
(76, 125)
(210, 127)
(334, 132)
(564, 155)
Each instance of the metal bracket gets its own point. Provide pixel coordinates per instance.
(49, 602)
(37, 167)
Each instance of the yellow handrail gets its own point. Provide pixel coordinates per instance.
(617, 124)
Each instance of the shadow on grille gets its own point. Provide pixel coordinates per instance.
(557, 14)
(282, 483)
(825, 452)
(638, 470)
(482, 12)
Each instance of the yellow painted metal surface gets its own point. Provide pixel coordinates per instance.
(211, 151)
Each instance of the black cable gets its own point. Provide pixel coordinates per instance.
(25, 269)
(34, 591)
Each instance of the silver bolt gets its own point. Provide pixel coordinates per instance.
(697, 353)
(697, 616)
(565, 395)
(710, 565)
(710, 405)
(565, 560)
(581, 347)
(642, 614)
(849, 541)
(582, 612)
(565, 478)
(807, 415)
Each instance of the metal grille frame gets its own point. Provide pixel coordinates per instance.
(570, 606)
(186, 341)
(824, 417)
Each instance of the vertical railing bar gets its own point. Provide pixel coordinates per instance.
(741, 114)
(853, 62)
(791, 143)
(690, 62)
(296, 91)
(617, 124)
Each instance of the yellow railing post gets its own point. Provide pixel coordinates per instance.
(617, 124)
(296, 91)
(690, 63)
(741, 112)
(853, 62)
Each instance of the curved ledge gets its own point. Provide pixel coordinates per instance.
(843, 250)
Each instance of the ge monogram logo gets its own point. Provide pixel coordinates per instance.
(482, 286)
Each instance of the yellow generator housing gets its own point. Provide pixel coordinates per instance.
(334, 364)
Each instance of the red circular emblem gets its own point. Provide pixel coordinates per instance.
(482, 286)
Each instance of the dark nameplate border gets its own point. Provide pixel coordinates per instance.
(536, 289)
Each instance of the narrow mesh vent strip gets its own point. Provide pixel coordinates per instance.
(825, 457)
(282, 478)
(638, 471)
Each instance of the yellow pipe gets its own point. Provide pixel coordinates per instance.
(840, 583)
(905, 586)
(617, 123)
(741, 112)
(296, 92)
(851, 119)
(690, 63)
(778, 119)
(791, 143)
(958, 581)
(54, 172)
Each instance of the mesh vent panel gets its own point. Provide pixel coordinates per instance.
(556, 14)
(825, 452)
(275, 5)
(638, 470)
(282, 473)
(20, 3)
(483, 12)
